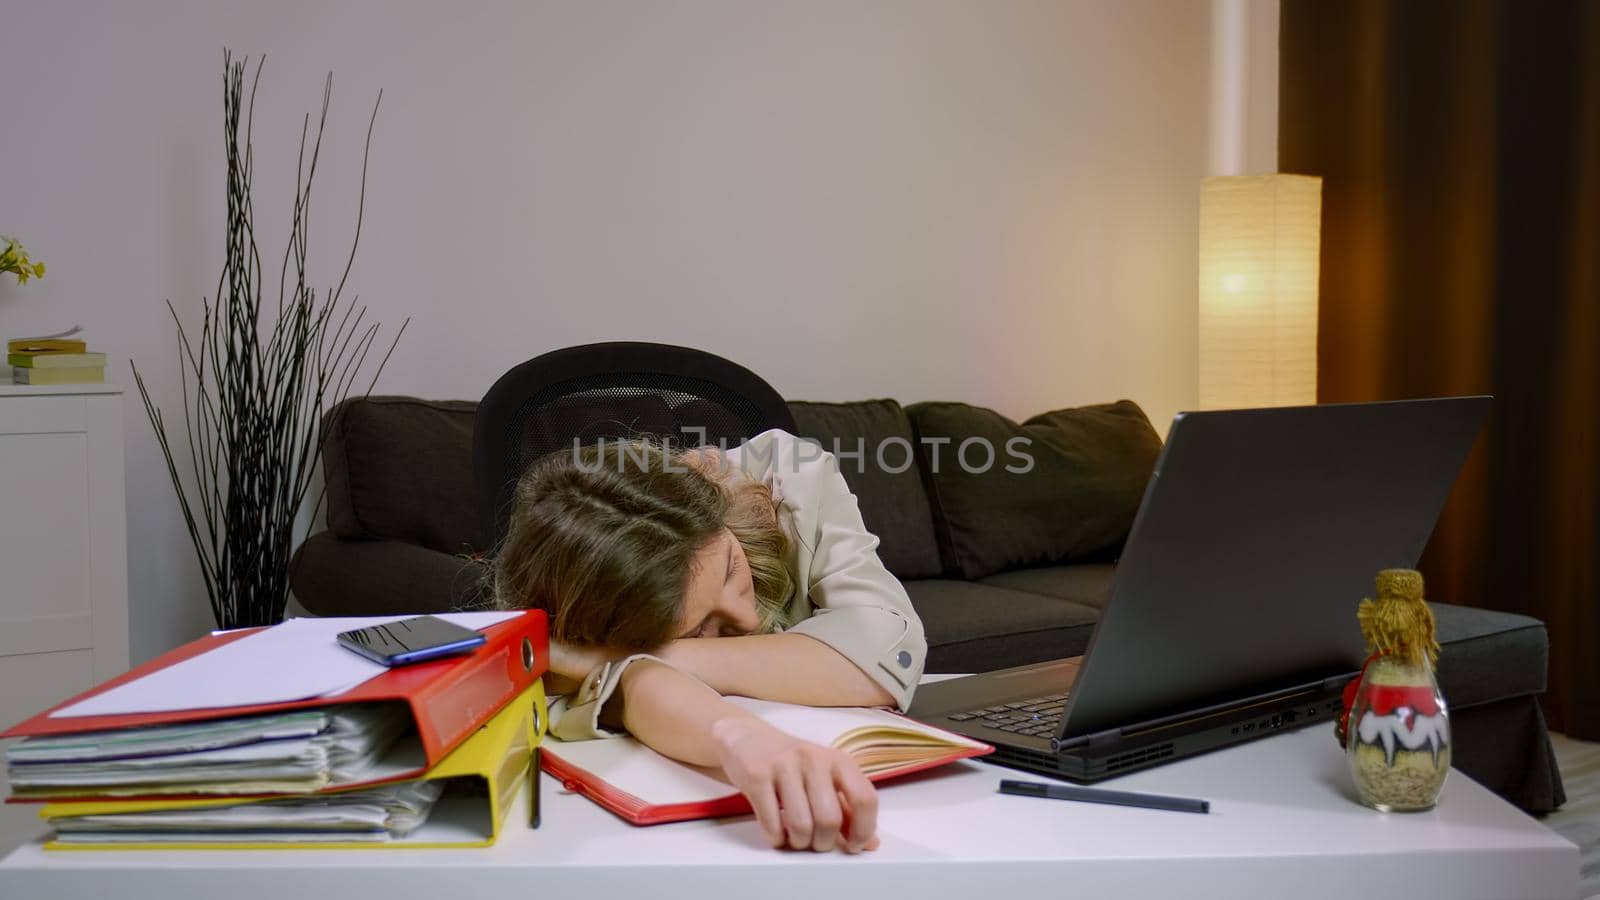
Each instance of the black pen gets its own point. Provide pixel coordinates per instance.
(1096, 795)
(533, 788)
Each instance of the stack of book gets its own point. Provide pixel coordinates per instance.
(54, 359)
(274, 738)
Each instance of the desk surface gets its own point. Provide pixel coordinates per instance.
(1284, 822)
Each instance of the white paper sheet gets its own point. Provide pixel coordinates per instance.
(155, 740)
(394, 808)
(297, 660)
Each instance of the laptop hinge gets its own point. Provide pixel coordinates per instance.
(1337, 682)
(1109, 737)
(1057, 745)
(1105, 738)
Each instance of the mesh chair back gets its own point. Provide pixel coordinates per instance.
(619, 389)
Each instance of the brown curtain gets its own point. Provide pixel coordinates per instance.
(1459, 145)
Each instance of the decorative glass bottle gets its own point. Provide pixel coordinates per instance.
(1397, 734)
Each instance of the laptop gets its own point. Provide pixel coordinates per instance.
(1232, 613)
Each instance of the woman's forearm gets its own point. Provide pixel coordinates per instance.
(790, 668)
(671, 712)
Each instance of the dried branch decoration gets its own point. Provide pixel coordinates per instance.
(252, 410)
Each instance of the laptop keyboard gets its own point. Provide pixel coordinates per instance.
(1037, 717)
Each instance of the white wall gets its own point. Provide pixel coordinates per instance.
(984, 201)
(1244, 87)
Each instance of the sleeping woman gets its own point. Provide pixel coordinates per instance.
(673, 577)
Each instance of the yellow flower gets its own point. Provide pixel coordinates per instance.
(15, 260)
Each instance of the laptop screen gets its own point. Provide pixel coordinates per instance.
(1259, 533)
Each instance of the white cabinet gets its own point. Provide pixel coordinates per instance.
(63, 554)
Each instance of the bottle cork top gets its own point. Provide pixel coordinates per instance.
(1401, 584)
(1398, 622)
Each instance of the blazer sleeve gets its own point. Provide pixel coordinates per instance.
(576, 717)
(859, 608)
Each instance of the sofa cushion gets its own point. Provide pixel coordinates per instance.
(401, 468)
(977, 627)
(1487, 655)
(334, 577)
(875, 439)
(1062, 486)
(1085, 583)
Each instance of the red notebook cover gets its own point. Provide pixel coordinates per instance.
(448, 698)
(638, 811)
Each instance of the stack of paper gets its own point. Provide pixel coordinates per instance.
(460, 802)
(280, 736)
(297, 752)
(373, 814)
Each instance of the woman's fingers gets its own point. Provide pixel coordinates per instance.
(826, 814)
(861, 798)
(764, 801)
(804, 796)
(796, 805)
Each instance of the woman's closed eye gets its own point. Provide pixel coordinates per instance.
(725, 609)
(709, 627)
(713, 627)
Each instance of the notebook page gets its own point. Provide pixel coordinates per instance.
(630, 766)
(821, 724)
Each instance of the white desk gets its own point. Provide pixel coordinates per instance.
(1283, 823)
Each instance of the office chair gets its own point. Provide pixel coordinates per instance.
(580, 395)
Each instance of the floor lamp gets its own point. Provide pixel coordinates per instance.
(1260, 236)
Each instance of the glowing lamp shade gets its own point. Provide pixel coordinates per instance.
(1259, 242)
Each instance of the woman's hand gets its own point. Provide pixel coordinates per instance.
(805, 796)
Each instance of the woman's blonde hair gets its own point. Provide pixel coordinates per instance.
(603, 538)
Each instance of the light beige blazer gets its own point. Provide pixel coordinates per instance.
(844, 597)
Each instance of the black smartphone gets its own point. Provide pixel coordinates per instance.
(410, 640)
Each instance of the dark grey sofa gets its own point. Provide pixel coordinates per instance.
(1004, 571)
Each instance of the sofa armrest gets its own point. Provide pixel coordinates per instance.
(331, 576)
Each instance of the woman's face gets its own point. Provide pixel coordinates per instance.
(720, 598)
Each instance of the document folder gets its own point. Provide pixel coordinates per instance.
(446, 699)
(486, 771)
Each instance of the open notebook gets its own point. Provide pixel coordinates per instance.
(646, 788)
